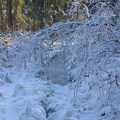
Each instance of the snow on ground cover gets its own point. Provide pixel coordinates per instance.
(60, 101)
(30, 98)
(23, 99)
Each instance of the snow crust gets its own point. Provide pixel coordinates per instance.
(30, 98)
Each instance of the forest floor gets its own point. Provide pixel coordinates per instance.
(24, 97)
(29, 98)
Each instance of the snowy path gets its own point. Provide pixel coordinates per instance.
(57, 71)
(60, 102)
(62, 93)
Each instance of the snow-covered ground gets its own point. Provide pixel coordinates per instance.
(30, 98)
(24, 97)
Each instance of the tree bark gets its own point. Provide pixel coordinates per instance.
(9, 13)
(1, 16)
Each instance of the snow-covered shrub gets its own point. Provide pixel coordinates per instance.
(97, 54)
(91, 45)
(35, 51)
(33, 113)
(97, 45)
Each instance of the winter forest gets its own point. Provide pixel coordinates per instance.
(59, 59)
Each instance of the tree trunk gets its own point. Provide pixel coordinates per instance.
(1, 16)
(9, 13)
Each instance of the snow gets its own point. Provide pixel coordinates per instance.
(57, 71)
(69, 71)
(30, 98)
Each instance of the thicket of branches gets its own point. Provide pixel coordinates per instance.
(90, 46)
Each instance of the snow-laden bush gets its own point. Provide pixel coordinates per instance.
(35, 51)
(97, 45)
(91, 46)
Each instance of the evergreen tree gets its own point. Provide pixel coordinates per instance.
(32, 15)
(9, 13)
